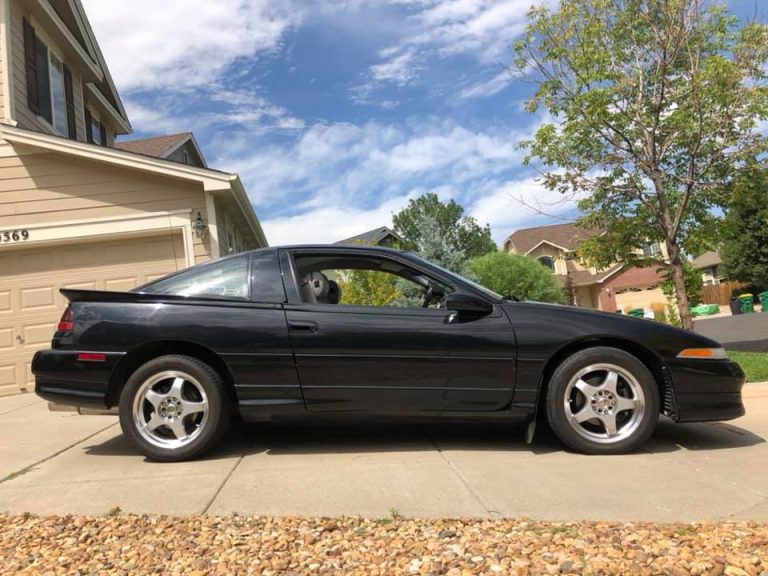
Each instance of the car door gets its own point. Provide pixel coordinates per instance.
(396, 360)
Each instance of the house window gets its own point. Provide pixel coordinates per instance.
(49, 84)
(95, 130)
(548, 261)
(652, 249)
(185, 156)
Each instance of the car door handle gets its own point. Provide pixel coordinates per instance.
(303, 327)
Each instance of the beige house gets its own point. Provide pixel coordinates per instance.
(76, 210)
(618, 287)
(709, 263)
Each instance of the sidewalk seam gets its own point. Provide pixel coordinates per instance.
(226, 479)
(460, 476)
(26, 469)
(32, 403)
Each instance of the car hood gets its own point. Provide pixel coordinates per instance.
(538, 320)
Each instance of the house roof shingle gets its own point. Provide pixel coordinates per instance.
(567, 236)
(158, 146)
(585, 277)
(372, 237)
(706, 260)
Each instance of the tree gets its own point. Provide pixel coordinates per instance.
(441, 232)
(517, 275)
(655, 104)
(368, 288)
(745, 229)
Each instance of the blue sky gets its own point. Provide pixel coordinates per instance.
(336, 112)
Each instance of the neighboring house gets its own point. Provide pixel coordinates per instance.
(76, 211)
(181, 148)
(616, 287)
(709, 265)
(377, 237)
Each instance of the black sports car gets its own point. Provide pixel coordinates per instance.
(326, 331)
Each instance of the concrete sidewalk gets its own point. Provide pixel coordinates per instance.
(56, 463)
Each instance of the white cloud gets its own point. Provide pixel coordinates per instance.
(518, 204)
(482, 29)
(184, 43)
(489, 87)
(330, 224)
(346, 164)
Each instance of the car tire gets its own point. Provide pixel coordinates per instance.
(602, 400)
(174, 408)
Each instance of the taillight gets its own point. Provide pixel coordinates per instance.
(67, 322)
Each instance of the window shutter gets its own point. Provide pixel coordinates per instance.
(70, 99)
(88, 126)
(33, 99)
(103, 135)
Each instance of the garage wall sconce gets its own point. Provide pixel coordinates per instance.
(199, 226)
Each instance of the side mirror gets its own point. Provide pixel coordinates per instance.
(466, 304)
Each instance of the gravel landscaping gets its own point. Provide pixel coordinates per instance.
(199, 545)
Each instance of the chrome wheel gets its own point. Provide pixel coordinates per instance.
(604, 403)
(170, 409)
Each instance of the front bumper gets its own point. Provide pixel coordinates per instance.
(61, 378)
(707, 389)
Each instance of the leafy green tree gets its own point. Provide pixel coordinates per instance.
(441, 232)
(694, 284)
(368, 288)
(517, 275)
(745, 229)
(654, 105)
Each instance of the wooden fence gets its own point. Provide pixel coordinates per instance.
(719, 293)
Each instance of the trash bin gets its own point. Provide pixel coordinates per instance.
(637, 312)
(747, 302)
(735, 306)
(764, 300)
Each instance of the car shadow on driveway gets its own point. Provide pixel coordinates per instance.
(306, 439)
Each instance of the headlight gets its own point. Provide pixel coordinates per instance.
(704, 353)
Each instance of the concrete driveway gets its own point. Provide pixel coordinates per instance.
(55, 463)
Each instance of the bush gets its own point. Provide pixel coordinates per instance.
(516, 275)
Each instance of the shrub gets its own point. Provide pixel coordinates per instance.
(516, 275)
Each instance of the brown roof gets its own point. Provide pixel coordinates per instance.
(707, 259)
(567, 236)
(159, 146)
(585, 277)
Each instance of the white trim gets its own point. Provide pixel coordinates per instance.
(9, 104)
(213, 227)
(122, 226)
(551, 244)
(211, 180)
(86, 25)
(86, 60)
(107, 105)
(190, 138)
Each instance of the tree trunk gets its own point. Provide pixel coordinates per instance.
(678, 277)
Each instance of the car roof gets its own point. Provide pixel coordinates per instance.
(336, 248)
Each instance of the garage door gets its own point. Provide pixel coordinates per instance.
(30, 279)
(628, 298)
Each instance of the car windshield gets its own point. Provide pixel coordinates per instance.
(479, 287)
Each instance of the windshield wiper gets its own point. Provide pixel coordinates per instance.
(510, 297)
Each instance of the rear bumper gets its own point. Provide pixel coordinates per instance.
(61, 378)
(707, 390)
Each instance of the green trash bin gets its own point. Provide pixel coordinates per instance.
(637, 312)
(764, 300)
(747, 302)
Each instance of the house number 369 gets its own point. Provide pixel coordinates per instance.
(14, 235)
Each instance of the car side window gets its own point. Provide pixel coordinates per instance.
(366, 281)
(226, 279)
(267, 283)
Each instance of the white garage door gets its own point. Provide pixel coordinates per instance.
(30, 279)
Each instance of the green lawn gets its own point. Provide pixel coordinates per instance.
(754, 364)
